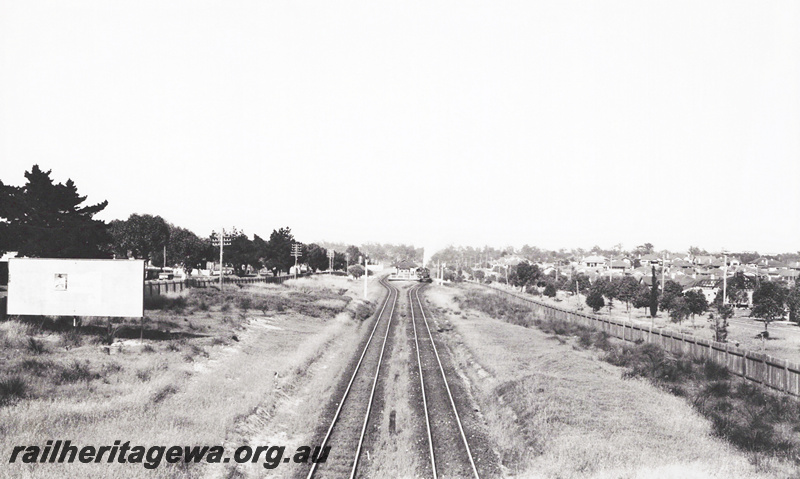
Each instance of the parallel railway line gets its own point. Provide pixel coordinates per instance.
(450, 454)
(447, 444)
(352, 412)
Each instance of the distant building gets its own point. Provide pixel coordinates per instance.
(405, 269)
(594, 261)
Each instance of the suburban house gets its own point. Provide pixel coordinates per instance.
(650, 259)
(621, 264)
(594, 261)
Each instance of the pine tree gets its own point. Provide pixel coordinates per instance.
(46, 220)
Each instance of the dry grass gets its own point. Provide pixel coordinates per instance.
(556, 410)
(207, 370)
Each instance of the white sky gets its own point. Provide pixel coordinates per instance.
(557, 124)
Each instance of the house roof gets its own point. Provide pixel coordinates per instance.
(406, 264)
(594, 259)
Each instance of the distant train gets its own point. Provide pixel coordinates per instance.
(423, 275)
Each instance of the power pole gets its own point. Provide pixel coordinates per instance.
(221, 240)
(365, 278)
(725, 277)
(297, 251)
(663, 269)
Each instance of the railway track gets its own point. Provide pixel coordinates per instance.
(349, 425)
(450, 454)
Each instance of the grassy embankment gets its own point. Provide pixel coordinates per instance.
(555, 409)
(213, 360)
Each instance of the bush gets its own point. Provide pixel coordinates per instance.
(77, 371)
(244, 302)
(165, 303)
(36, 347)
(37, 367)
(164, 393)
(362, 312)
(714, 371)
(12, 388)
(71, 339)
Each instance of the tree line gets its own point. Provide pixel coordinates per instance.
(51, 220)
(771, 300)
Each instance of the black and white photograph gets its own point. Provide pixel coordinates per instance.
(446, 239)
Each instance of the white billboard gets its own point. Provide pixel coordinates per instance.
(76, 287)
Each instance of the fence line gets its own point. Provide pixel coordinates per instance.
(157, 288)
(778, 374)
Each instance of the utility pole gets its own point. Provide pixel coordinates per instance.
(663, 269)
(725, 277)
(165, 255)
(331, 256)
(365, 278)
(221, 240)
(297, 251)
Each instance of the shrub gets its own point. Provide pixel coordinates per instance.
(714, 371)
(362, 312)
(77, 371)
(36, 347)
(165, 303)
(147, 348)
(71, 339)
(110, 368)
(244, 302)
(37, 367)
(12, 388)
(164, 393)
(143, 375)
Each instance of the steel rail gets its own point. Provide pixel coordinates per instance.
(422, 383)
(374, 382)
(393, 297)
(447, 386)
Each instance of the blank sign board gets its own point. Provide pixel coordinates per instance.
(76, 287)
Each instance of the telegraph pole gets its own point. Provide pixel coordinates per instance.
(221, 240)
(725, 276)
(297, 251)
(365, 278)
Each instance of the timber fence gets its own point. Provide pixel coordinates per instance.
(157, 288)
(778, 374)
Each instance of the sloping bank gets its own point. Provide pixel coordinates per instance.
(555, 408)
